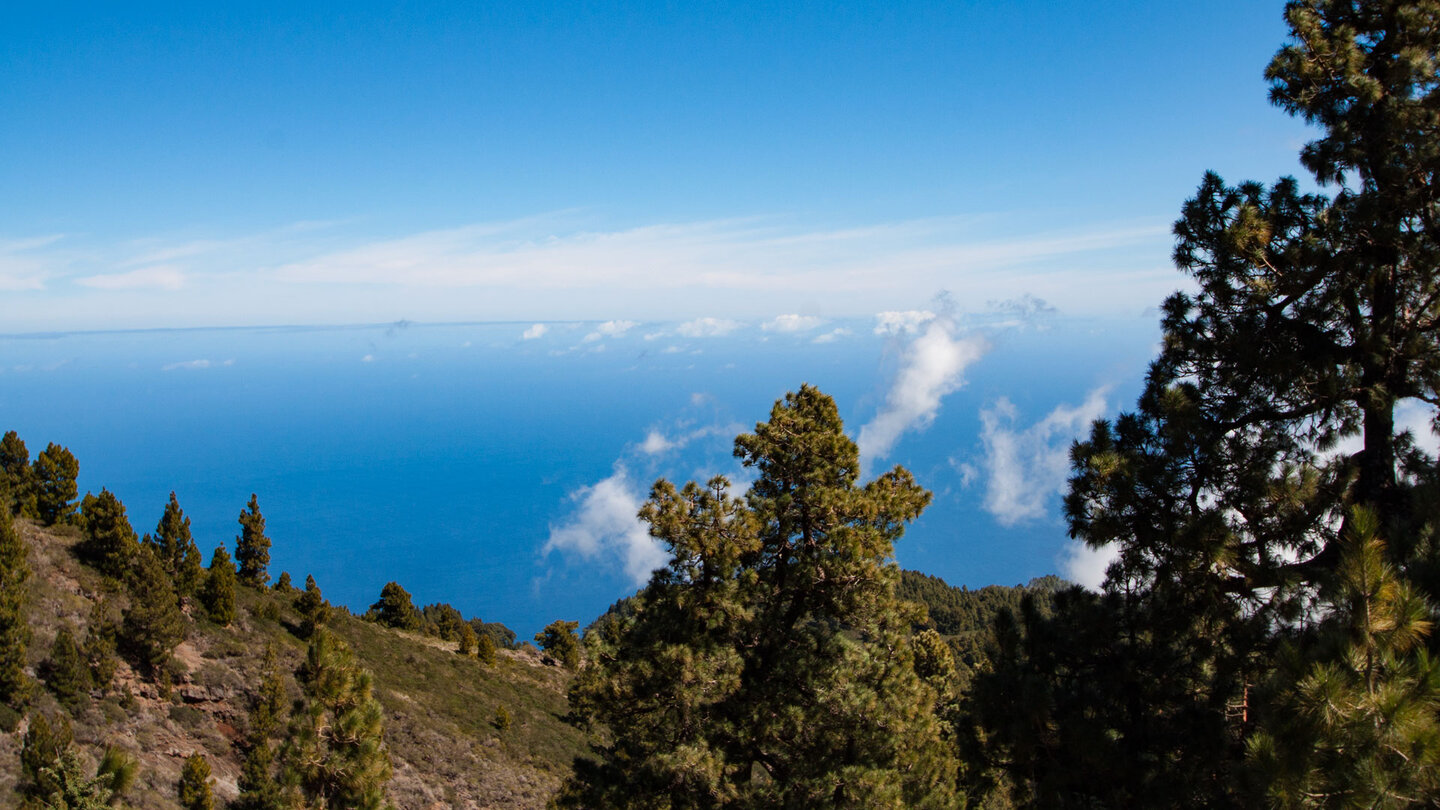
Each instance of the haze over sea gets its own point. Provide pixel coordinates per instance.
(501, 474)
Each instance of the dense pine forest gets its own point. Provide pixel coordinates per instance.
(1263, 638)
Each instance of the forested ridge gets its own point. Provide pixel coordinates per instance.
(1262, 638)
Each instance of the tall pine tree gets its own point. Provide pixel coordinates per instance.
(335, 753)
(769, 663)
(177, 550)
(252, 547)
(53, 477)
(218, 595)
(110, 543)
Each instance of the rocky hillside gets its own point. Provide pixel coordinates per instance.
(446, 743)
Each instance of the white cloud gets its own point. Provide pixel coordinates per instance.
(566, 267)
(1026, 468)
(369, 358)
(605, 524)
(902, 323)
(831, 336)
(792, 323)
(707, 327)
(158, 277)
(1419, 418)
(932, 366)
(609, 329)
(22, 264)
(1086, 566)
(189, 365)
(536, 331)
(655, 443)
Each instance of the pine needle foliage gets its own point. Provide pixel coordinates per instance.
(314, 610)
(53, 477)
(218, 594)
(1358, 728)
(67, 672)
(195, 784)
(335, 754)
(14, 626)
(252, 547)
(769, 663)
(110, 543)
(177, 550)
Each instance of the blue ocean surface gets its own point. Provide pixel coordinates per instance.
(444, 456)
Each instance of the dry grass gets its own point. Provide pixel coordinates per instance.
(439, 705)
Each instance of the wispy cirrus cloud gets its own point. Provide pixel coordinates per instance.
(156, 277)
(560, 268)
(24, 263)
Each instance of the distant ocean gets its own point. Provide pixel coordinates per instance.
(443, 456)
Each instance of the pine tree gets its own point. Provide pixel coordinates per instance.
(101, 643)
(314, 611)
(14, 624)
(1358, 728)
(53, 477)
(195, 782)
(40, 750)
(485, 650)
(154, 624)
(394, 608)
(110, 543)
(218, 595)
(769, 663)
(259, 787)
(283, 584)
(336, 751)
(467, 641)
(67, 673)
(252, 547)
(177, 550)
(16, 491)
(559, 643)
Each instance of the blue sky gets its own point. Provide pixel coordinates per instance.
(198, 164)
(956, 215)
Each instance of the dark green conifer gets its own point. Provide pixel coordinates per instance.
(102, 642)
(154, 624)
(40, 752)
(466, 643)
(313, 609)
(394, 608)
(110, 543)
(14, 624)
(259, 786)
(53, 477)
(218, 595)
(336, 753)
(177, 550)
(283, 584)
(559, 643)
(15, 476)
(769, 663)
(67, 672)
(485, 650)
(195, 782)
(1358, 727)
(252, 547)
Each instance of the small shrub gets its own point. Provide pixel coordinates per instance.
(502, 718)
